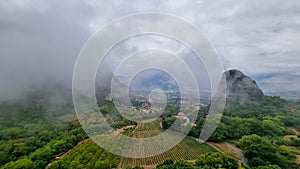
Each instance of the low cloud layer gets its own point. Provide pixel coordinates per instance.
(40, 40)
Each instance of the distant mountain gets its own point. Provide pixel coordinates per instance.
(143, 82)
(153, 79)
(241, 88)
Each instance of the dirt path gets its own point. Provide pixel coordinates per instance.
(292, 136)
(58, 157)
(293, 130)
(239, 151)
(121, 130)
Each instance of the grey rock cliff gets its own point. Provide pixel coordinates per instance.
(241, 88)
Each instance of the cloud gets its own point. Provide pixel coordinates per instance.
(40, 40)
(285, 83)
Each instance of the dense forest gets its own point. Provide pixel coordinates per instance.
(31, 135)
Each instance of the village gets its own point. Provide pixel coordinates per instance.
(174, 99)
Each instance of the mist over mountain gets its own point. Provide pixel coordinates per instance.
(41, 46)
(152, 79)
(240, 88)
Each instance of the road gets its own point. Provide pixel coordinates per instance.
(239, 151)
(234, 148)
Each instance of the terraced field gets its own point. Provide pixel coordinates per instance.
(144, 130)
(89, 155)
(187, 149)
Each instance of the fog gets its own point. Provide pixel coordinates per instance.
(40, 40)
(39, 46)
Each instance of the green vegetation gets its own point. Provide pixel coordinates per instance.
(267, 123)
(286, 111)
(113, 117)
(187, 149)
(236, 127)
(262, 151)
(216, 160)
(32, 136)
(87, 155)
(268, 119)
(169, 164)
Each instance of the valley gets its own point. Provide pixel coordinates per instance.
(250, 135)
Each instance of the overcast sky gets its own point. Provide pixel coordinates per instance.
(41, 39)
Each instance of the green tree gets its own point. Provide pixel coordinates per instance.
(220, 133)
(217, 160)
(261, 151)
(168, 122)
(24, 163)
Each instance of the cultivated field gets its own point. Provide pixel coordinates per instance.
(187, 149)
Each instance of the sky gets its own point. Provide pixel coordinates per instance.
(40, 40)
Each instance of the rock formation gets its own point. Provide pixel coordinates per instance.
(241, 88)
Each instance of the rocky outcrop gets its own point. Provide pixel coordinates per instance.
(241, 88)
